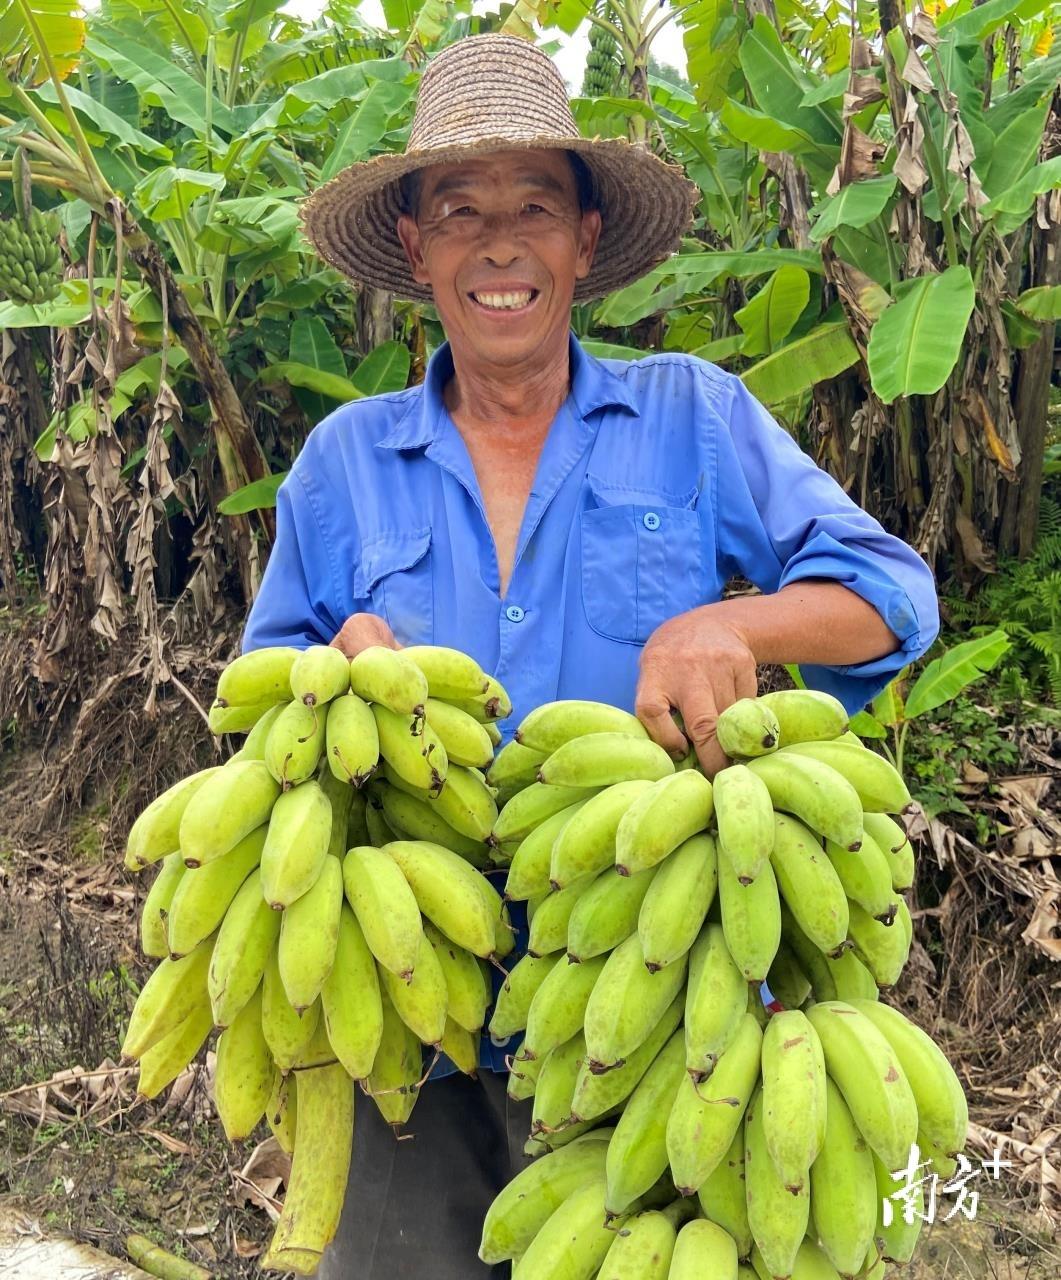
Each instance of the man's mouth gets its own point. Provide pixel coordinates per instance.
(514, 300)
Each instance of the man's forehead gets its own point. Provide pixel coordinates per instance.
(551, 168)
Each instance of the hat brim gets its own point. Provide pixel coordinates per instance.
(645, 203)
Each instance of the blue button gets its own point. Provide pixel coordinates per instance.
(514, 613)
(651, 520)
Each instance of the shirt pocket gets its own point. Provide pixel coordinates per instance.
(642, 561)
(394, 576)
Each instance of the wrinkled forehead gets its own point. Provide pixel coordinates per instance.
(550, 170)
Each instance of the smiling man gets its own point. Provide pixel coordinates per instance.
(570, 522)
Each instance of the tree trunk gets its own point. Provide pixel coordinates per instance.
(375, 318)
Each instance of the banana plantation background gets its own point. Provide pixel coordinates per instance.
(876, 252)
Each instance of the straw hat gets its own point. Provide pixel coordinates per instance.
(498, 93)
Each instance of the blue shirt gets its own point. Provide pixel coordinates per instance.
(660, 479)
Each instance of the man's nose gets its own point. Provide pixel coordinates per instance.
(500, 241)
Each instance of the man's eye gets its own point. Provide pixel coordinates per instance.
(535, 208)
(461, 211)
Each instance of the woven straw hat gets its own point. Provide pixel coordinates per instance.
(498, 93)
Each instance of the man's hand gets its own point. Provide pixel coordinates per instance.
(361, 631)
(697, 664)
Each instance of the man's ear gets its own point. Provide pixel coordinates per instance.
(409, 235)
(588, 235)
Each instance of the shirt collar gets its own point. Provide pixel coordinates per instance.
(593, 386)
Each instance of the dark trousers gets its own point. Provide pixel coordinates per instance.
(414, 1208)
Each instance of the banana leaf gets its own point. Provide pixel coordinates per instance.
(959, 667)
(822, 354)
(915, 344)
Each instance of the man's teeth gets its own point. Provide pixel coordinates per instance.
(506, 301)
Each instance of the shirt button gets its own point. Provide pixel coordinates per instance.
(514, 613)
(651, 520)
(499, 1043)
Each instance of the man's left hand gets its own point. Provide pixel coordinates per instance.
(696, 664)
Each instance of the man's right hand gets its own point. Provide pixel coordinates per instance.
(361, 631)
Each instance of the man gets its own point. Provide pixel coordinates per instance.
(569, 522)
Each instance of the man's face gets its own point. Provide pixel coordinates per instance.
(501, 242)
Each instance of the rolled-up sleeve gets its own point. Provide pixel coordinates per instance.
(782, 519)
(298, 602)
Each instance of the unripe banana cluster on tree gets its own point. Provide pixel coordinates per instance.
(602, 63)
(740, 1140)
(30, 266)
(319, 902)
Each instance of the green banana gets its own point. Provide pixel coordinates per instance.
(466, 741)
(351, 740)
(744, 816)
(558, 1008)
(385, 906)
(389, 678)
(530, 869)
(878, 783)
(316, 1187)
(154, 914)
(287, 1031)
(851, 979)
(943, 1165)
(466, 803)
(411, 747)
(421, 820)
(607, 913)
(587, 843)
(356, 823)
(553, 1092)
(865, 877)
(806, 715)
(596, 1095)
(531, 807)
(809, 884)
(309, 934)
(394, 1082)
(894, 843)
(175, 990)
(254, 744)
(553, 724)
(166, 1059)
(942, 1109)
(296, 743)
(552, 916)
(467, 988)
(451, 674)
(843, 1188)
(793, 1088)
(716, 1000)
(777, 1216)
(350, 1000)
(205, 894)
(747, 728)
(662, 818)
(601, 759)
(815, 793)
(340, 796)
(882, 948)
(461, 1047)
(523, 1078)
(245, 941)
(296, 844)
(228, 806)
(637, 1153)
(751, 919)
(704, 1117)
(452, 894)
(156, 832)
(677, 901)
(627, 1001)
(522, 1207)
(263, 675)
(421, 1001)
(239, 719)
(493, 733)
(515, 767)
(641, 1250)
(319, 674)
(900, 1210)
(868, 1073)
(704, 1249)
(243, 1074)
(809, 1263)
(572, 1243)
(723, 1195)
(788, 984)
(281, 1110)
(517, 991)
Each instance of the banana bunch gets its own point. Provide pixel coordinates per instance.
(602, 63)
(318, 900)
(30, 265)
(659, 903)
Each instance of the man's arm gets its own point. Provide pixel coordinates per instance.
(702, 661)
